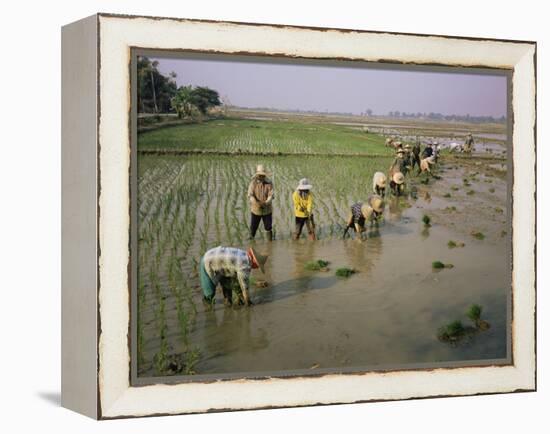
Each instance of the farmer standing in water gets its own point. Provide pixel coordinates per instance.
(303, 209)
(260, 194)
(469, 144)
(230, 267)
(415, 157)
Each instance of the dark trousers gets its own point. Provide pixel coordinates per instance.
(416, 161)
(299, 225)
(255, 223)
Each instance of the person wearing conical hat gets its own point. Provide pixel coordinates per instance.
(360, 213)
(303, 209)
(260, 194)
(397, 183)
(379, 182)
(230, 268)
(399, 164)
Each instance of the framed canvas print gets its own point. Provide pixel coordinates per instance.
(262, 216)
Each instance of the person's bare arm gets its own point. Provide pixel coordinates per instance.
(244, 280)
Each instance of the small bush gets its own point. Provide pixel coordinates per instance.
(345, 272)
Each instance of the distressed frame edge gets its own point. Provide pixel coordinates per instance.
(79, 219)
(109, 414)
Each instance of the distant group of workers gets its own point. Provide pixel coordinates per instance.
(231, 267)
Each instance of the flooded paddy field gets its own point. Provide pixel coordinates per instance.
(386, 314)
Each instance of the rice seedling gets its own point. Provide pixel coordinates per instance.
(438, 265)
(478, 235)
(474, 314)
(345, 272)
(426, 220)
(316, 265)
(447, 195)
(491, 190)
(451, 332)
(453, 244)
(455, 188)
(470, 192)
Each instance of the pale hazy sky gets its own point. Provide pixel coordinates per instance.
(342, 88)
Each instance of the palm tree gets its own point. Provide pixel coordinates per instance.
(152, 69)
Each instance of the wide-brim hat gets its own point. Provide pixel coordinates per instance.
(381, 180)
(377, 203)
(398, 178)
(260, 170)
(365, 210)
(304, 184)
(259, 258)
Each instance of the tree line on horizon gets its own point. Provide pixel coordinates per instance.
(158, 93)
(450, 118)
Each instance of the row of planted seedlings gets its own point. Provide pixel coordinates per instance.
(166, 234)
(201, 204)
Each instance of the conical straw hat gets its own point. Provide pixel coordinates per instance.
(259, 258)
(398, 178)
(377, 203)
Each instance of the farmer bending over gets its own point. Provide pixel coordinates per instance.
(400, 164)
(469, 144)
(260, 194)
(303, 209)
(360, 213)
(230, 267)
(379, 181)
(397, 183)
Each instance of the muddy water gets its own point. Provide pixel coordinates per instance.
(387, 314)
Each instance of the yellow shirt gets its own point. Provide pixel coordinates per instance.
(303, 206)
